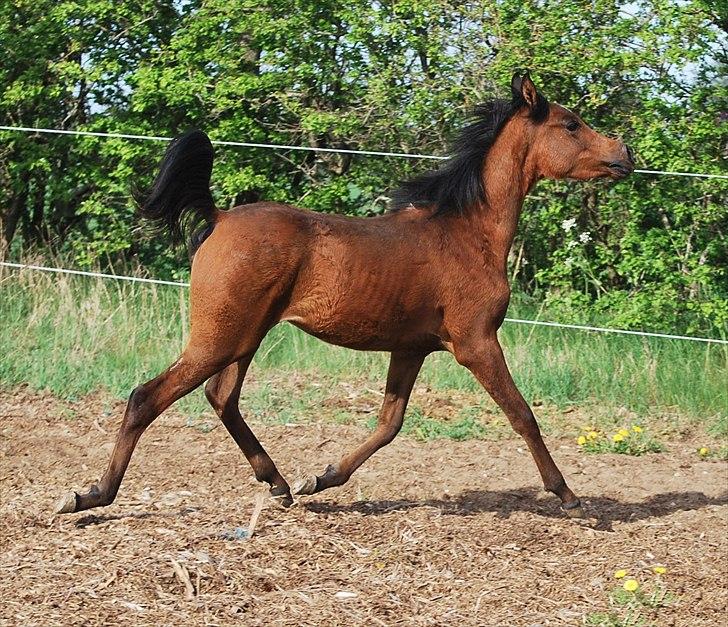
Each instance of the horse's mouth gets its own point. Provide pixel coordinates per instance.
(620, 169)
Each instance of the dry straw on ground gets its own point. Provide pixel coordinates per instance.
(425, 534)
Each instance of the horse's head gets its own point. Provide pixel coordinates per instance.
(562, 146)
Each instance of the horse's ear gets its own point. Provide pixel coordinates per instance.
(529, 92)
(516, 86)
(524, 90)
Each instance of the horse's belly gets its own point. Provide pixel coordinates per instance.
(348, 295)
(374, 341)
(385, 329)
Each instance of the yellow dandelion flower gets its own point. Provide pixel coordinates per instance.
(620, 574)
(592, 435)
(617, 437)
(630, 585)
(581, 440)
(624, 433)
(659, 570)
(703, 451)
(637, 429)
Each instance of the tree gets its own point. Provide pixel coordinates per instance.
(650, 252)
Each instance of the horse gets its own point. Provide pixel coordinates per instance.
(428, 275)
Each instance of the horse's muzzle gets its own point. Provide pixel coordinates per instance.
(622, 164)
(620, 169)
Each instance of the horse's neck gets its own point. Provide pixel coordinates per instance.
(507, 179)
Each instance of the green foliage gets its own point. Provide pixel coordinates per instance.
(720, 453)
(633, 606)
(648, 253)
(612, 619)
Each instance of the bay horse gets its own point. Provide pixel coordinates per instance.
(428, 275)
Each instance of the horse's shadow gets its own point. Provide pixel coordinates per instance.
(90, 520)
(503, 503)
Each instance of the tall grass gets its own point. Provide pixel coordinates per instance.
(74, 335)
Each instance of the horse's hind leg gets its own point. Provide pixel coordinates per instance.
(403, 370)
(145, 403)
(223, 392)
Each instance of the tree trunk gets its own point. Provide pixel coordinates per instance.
(9, 219)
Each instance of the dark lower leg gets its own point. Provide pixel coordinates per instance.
(492, 372)
(223, 392)
(145, 403)
(403, 369)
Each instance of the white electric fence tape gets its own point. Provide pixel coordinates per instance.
(580, 327)
(376, 153)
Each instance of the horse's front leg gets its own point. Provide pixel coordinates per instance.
(484, 358)
(403, 369)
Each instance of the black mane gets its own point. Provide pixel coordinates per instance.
(458, 183)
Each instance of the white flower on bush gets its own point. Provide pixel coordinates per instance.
(585, 237)
(569, 224)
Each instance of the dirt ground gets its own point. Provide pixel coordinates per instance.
(436, 533)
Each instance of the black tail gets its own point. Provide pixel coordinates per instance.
(180, 200)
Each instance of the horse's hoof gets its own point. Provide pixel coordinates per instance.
(574, 512)
(66, 504)
(305, 485)
(281, 499)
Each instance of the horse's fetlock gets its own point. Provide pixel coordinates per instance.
(280, 490)
(332, 477)
(555, 487)
(263, 477)
(103, 496)
(264, 469)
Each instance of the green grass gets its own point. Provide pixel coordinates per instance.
(421, 427)
(73, 335)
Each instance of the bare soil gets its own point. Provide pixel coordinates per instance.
(436, 533)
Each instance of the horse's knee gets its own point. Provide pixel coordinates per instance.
(469, 356)
(388, 431)
(525, 425)
(475, 352)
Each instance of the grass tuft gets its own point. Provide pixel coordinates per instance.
(422, 428)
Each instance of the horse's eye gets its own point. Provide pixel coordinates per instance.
(572, 125)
